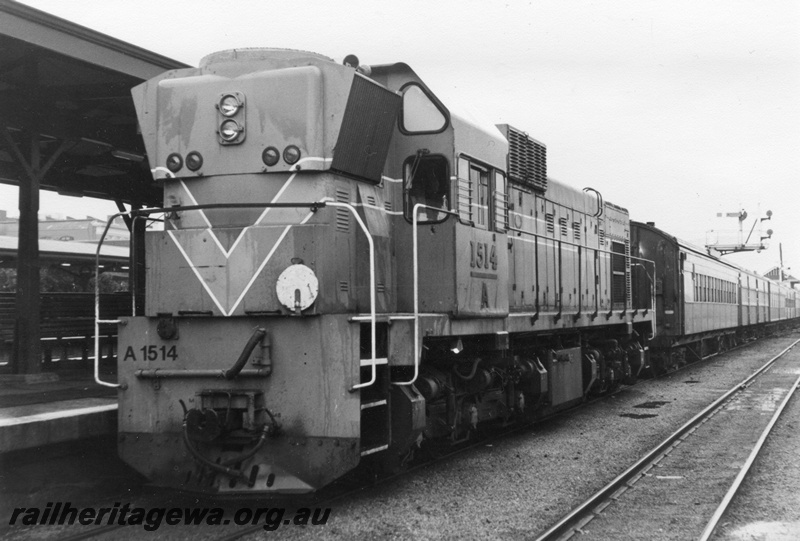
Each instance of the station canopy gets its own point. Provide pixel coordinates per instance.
(66, 113)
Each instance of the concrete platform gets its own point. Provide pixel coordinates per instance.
(25, 427)
(50, 411)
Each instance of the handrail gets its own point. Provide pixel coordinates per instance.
(313, 206)
(97, 320)
(414, 236)
(372, 288)
(652, 293)
(537, 236)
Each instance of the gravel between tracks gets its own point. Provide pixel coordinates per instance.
(767, 507)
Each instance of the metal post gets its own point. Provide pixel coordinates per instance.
(28, 346)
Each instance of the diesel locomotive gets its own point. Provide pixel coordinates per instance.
(349, 270)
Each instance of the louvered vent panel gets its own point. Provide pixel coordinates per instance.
(342, 214)
(562, 225)
(387, 205)
(576, 231)
(549, 221)
(527, 158)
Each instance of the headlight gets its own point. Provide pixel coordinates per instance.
(229, 130)
(229, 105)
(291, 154)
(270, 156)
(194, 161)
(174, 162)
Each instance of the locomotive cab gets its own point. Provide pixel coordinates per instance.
(246, 353)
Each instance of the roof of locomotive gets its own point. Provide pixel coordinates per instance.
(478, 138)
(574, 198)
(267, 55)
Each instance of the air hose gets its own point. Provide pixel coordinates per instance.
(258, 335)
(223, 468)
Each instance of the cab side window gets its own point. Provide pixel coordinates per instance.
(421, 112)
(426, 182)
(482, 197)
(479, 180)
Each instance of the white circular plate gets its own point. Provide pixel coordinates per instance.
(297, 286)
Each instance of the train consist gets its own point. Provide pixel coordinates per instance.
(349, 271)
(704, 304)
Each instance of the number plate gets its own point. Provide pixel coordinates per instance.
(151, 353)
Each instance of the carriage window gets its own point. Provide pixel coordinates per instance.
(420, 113)
(426, 182)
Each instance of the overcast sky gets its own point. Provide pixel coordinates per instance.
(673, 109)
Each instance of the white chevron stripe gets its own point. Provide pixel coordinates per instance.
(196, 272)
(269, 256)
(227, 253)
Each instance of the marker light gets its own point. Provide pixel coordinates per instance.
(291, 154)
(229, 105)
(270, 156)
(174, 162)
(229, 130)
(194, 161)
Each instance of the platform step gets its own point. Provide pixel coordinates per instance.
(379, 361)
(374, 450)
(374, 404)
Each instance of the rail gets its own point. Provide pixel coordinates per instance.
(313, 206)
(569, 521)
(726, 500)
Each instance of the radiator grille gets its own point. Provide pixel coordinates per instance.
(628, 284)
(620, 275)
(527, 158)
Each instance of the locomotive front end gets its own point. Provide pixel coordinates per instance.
(241, 373)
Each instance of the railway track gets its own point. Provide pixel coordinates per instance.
(682, 487)
(343, 491)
